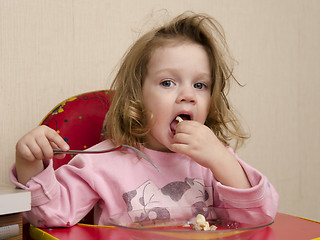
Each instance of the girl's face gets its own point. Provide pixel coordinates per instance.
(178, 82)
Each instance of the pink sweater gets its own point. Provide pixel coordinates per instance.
(117, 182)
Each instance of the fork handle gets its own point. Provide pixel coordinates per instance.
(141, 154)
(59, 151)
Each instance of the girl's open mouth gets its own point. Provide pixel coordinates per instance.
(176, 120)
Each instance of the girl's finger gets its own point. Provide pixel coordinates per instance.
(188, 127)
(35, 150)
(182, 138)
(24, 151)
(179, 148)
(54, 137)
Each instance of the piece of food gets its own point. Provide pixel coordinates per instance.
(179, 119)
(202, 225)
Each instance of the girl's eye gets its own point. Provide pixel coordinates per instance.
(199, 85)
(167, 83)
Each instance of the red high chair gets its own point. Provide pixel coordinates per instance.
(79, 120)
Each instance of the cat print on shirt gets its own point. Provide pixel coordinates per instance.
(149, 202)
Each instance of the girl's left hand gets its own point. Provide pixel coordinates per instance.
(201, 144)
(198, 142)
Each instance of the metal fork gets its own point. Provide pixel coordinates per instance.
(141, 154)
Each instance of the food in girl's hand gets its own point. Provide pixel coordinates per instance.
(202, 225)
(179, 119)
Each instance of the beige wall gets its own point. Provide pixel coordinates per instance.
(51, 50)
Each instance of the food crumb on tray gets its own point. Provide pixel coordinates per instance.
(202, 225)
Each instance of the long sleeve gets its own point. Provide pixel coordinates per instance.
(60, 198)
(262, 195)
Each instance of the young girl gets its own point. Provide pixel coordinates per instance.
(179, 69)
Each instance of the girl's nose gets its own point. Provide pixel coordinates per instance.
(186, 95)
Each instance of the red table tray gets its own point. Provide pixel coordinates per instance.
(284, 227)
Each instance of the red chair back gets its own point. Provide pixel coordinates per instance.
(79, 120)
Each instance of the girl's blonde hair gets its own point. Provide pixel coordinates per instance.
(126, 121)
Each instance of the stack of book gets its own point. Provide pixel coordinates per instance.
(11, 226)
(12, 203)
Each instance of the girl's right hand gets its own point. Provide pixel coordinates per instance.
(39, 144)
(35, 147)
